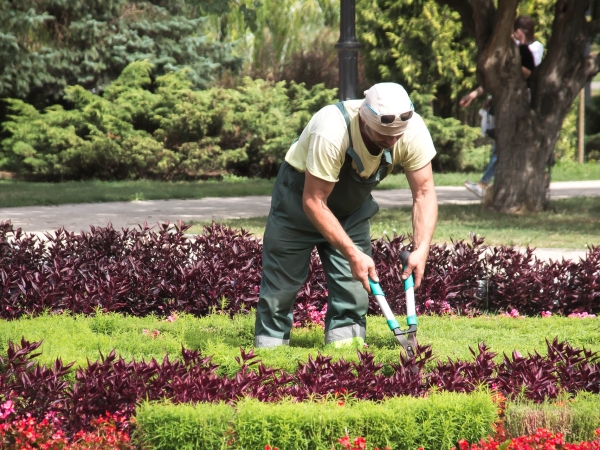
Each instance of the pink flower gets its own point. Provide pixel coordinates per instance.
(514, 313)
(6, 409)
(546, 314)
(582, 315)
(446, 308)
(429, 304)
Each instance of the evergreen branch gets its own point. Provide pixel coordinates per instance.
(465, 9)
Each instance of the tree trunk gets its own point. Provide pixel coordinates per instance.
(528, 117)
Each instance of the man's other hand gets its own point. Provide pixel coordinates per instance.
(363, 268)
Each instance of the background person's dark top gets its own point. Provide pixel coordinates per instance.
(527, 60)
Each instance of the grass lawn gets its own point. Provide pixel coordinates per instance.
(20, 193)
(570, 224)
(218, 335)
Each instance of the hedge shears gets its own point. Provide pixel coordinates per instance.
(407, 338)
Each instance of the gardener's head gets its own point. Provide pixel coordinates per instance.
(386, 112)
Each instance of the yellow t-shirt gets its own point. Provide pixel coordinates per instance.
(321, 148)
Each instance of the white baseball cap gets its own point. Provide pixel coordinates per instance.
(387, 109)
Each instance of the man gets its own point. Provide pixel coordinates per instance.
(322, 197)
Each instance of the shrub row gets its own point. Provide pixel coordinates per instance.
(159, 127)
(142, 271)
(437, 421)
(575, 418)
(112, 385)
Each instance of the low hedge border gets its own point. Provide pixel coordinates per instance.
(576, 418)
(435, 422)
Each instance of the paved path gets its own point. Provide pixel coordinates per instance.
(78, 217)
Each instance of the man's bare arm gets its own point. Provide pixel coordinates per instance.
(314, 202)
(424, 219)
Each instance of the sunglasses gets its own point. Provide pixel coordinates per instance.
(390, 118)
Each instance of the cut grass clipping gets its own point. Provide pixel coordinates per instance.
(569, 224)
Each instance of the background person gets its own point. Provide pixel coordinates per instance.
(531, 52)
(322, 197)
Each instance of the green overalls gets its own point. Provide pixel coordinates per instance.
(288, 242)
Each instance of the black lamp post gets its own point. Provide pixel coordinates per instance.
(347, 48)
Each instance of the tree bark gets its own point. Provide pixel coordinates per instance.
(529, 115)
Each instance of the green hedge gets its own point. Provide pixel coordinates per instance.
(435, 422)
(576, 418)
(222, 337)
(161, 128)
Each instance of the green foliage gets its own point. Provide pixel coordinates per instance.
(417, 44)
(162, 129)
(437, 421)
(566, 145)
(47, 45)
(576, 418)
(284, 40)
(221, 336)
(453, 140)
(592, 130)
(183, 426)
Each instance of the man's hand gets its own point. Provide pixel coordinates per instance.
(363, 268)
(424, 219)
(314, 203)
(416, 266)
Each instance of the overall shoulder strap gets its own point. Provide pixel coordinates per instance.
(342, 108)
(387, 156)
(350, 151)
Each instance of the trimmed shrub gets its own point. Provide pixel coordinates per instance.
(115, 386)
(165, 426)
(437, 421)
(575, 418)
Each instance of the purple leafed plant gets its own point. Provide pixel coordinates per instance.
(161, 271)
(115, 386)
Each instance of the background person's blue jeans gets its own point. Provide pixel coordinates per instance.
(487, 176)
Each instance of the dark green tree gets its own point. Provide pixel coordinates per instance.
(46, 45)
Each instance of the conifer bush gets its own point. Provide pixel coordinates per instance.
(144, 126)
(47, 45)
